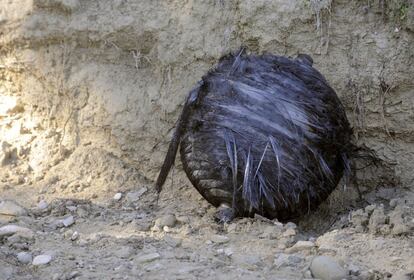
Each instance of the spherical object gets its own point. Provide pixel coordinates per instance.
(262, 134)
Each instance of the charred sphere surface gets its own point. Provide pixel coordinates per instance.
(262, 134)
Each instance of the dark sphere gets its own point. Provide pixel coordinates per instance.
(262, 134)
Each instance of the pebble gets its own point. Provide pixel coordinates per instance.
(68, 221)
(173, 242)
(289, 232)
(307, 274)
(11, 208)
(134, 196)
(250, 261)
(73, 275)
(74, 236)
(124, 252)
(13, 229)
(71, 208)
(354, 270)
(117, 196)
(41, 260)
(42, 205)
(219, 239)
(394, 202)
(300, 246)
(291, 225)
(166, 220)
(401, 276)
(326, 268)
(24, 257)
(228, 252)
(148, 258)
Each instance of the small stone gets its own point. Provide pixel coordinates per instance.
(354, 270)
(291, 225)
(134, 196)
(270, 232)
(166, 229)
(394, 202)
(148, 258)
(401, 276)
(326, 268)
(24, 257)
(300, 246)
(71, 208)
(13, 229)
(247, 260)
(7, 272)
(231, 227)
(117, 196)
(124, 252)
(173, 242)
(228, 252)
(289, 232)
(73, 275)
(219, 239)
(307, 274)
(41, 260)
(370, 208)
(11, 208)
(42, 205)
(377, 219)
(68, 221)
(74, 236)
(68, 234)
(166, 220)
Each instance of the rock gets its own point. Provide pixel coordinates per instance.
(291, 225)
(117, 196)
(68, 234)
(8, 153)
(289, 232)
(42, 260)
(6, 273)
(173, 242)
(71, 208)
(68, 221)
(247, 260)
(326, 268)
(399, 227)
(394, 202)
(74, 236)
(166, 220)
(300, 246)
(270, 232)
(370, 208)
(359, 219)
(377, 219)
(148, 258)
(401, 276)
(11, 208)
(13, 229)
(42, 205)
(70, 5)
(73, 275)
(134, 196)
(219, 239)
(354, 270)
(228, 252)
(124, 252)
(24, 257)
